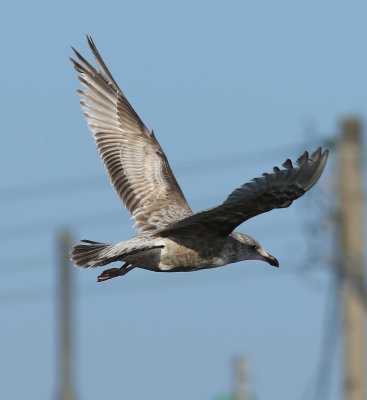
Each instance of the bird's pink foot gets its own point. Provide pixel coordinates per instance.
(114, 273)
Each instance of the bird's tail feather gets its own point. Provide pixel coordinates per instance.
(92, 254)
(96, 254)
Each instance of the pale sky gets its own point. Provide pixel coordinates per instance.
(231, 89)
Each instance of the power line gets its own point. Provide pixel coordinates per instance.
(39, 227)
(105, 218)
(89, 183)
(39, 261)
(28, 262)
(318, 385)
(329, 342)
(348, 274)
(42, 293)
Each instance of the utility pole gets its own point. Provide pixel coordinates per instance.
(65, 327)
(240, 379)
(352, 260)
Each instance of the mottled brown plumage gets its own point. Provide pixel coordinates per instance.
(172, 238)
(137, 166)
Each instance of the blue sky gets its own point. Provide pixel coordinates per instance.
(231, 89)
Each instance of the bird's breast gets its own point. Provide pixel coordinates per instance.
(192, 255)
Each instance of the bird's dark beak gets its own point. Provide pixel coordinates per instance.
(272, 261)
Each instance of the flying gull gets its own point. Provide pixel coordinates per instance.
(172, 238)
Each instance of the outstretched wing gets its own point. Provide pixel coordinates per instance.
(275, 190)
(137, 166)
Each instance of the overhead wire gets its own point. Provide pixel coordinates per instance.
(43, 293)
(87, 183)
(11, 265)
(82, 184)
(317, 388)
(329, 341)
(24, 230)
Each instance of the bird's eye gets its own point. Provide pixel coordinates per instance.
(254, 247)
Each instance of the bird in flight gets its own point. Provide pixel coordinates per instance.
(172, 238)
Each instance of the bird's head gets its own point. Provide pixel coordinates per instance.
(249, 249)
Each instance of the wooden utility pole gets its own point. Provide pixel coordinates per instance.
(352, 260)
(240, 379)
(65, 331)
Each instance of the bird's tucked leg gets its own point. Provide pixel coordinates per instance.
(115, 272)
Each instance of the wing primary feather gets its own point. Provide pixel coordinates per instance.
(287, 164)
(316, 154)
(84, 61)
(303, 159)
(104, 70)
(136, 164)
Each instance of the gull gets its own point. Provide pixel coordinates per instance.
(172, 238)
